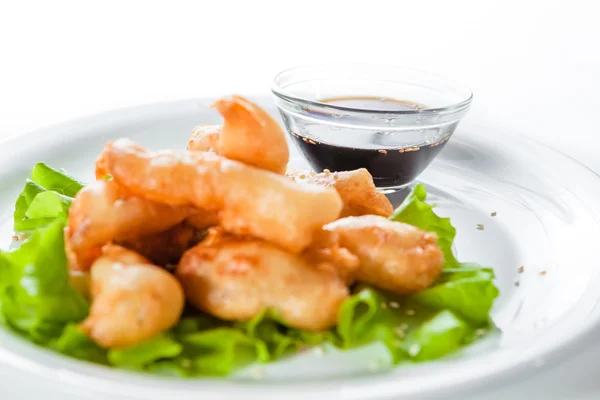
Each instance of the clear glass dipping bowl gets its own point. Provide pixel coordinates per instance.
(394, 145)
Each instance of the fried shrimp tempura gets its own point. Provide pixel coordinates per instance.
(132, 300)
(392, 255)
(356, 188)
(100, 213)
(248, 200)
(205, 138)
(249, 135)
(236, 278)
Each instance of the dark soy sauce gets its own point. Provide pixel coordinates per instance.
(390, 167)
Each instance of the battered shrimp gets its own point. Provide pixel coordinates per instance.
(236, 278)
(101, 213)
(164, 248)
(248, 200)
(202, 219)
(393, 256)
(356, 188)
(132, 300)
(205, 138)
(249, 135)
(101, 171)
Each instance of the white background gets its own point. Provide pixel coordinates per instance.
(534, 68)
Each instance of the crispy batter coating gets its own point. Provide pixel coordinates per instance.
(101, 213)
(356, 188)
(132, 300)
(248, 200)
(205, 138)
(236, 278)
(249, 135)
(392, 255)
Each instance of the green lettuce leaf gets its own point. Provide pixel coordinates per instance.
(410, 328)
(73, 342)
(415, 211)
(35, 295)
(442, 334)
(157, 348)
(468, 290)
(55, 180)
(45, 198)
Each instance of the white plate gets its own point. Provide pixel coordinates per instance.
(546, 221)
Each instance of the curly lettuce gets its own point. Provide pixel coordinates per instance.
(415, 211)
(46, 197)
(36, 298)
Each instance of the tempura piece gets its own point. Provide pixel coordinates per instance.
(326, 253)
(248, 200)
(164, 248)
(202, 219)
(237, 278)
(356, 188)
(101, 213)
(132, 300)
(393, 256)
(205, 138)
(249, 135)
(101, 172)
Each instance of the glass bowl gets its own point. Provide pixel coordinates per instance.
(390, 120)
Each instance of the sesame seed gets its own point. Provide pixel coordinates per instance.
(311, 141)
(401, 330)
(493, 214)
(15, 238)
(517, 283)
(521, 269)
(401, 150)
(382, 151)
(414, 349)
(410, 311)
(384, 305)
(394, 304)
(480, 227)
(480, 332)
(542, 273)
(257, 373)
(305, 139)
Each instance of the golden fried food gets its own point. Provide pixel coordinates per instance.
(248, 200)
(205, 138)
(164, 248)
(132, 300)
(249, 135)
(100, 213)
(326, 253)
(237, 278)
(356, 188)
(393, 256)
(101, 172)
(202, 219)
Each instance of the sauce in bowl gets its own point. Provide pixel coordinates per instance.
(391, 164)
